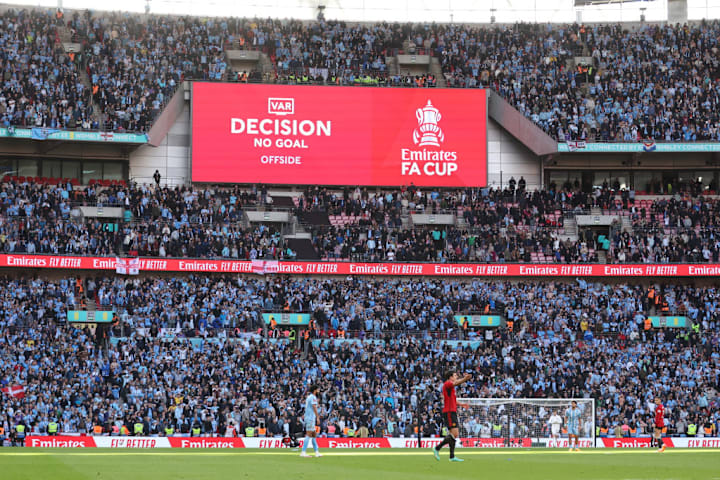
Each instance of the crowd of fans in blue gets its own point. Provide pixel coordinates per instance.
(656, 82)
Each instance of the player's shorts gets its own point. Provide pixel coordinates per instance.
(659, 427)
(450, 419)
(310, 424)
(555, 431)
(573, 430)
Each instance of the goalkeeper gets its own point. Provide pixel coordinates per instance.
(452, 380)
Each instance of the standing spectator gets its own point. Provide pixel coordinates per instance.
(156, 177)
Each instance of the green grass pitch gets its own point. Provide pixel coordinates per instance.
(590, 464)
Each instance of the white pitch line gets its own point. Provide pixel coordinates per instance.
(341, 453)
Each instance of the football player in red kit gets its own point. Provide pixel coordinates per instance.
(659, 425)
(452, 380)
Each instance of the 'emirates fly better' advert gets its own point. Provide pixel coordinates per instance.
(338, 135)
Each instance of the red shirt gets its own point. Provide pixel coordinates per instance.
(450, 402)
(659, 416)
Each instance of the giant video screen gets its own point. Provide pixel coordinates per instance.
(288, 134)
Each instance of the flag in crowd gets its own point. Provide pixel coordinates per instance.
(17, 391)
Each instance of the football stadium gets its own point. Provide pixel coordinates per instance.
(360, 239)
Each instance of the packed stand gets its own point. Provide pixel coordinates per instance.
(223, 385)
(41, 83)
(136, 63)
(321, 49)
(217, 304)
(673, 229)
(492, 226)
(638, 85)
(180, 222)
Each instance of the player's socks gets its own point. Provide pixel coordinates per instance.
(315, 445)
(452, 446)
(445, 441)
(305, 444)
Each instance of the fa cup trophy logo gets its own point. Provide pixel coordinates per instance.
(428, 132)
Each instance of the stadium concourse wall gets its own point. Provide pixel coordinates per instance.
(72, 441)
(358, 268)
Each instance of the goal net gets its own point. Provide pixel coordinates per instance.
(522, 422)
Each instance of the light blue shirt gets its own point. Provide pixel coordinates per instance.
(573, 416)
(309, 402)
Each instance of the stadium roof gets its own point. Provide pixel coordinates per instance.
(466, 11)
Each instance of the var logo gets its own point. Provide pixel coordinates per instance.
(281, 106)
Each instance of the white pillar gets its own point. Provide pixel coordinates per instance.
(677, 11)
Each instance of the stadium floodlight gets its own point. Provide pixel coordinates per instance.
(522, 422)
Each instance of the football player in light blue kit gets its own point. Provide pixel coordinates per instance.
(311, 418)
(572, 420)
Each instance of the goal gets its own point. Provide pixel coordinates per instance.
(521, 422)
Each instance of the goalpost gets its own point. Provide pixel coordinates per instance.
(521, 422)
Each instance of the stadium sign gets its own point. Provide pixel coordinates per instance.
(379, 269)
(479, 320)
(123, 442)
(72, 135)
(669, 322)
(284, 318)
(374, 269)
(584, 147)
(95, 316)
(285, 134)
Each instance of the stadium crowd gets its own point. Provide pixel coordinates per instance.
(566, 339)
(656, 81)
(630, 84)
(493, 225)
(183, 222)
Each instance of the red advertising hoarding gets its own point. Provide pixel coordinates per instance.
(60, 441)
(373, 269)
(287, 134)
(123, 442)
(631, 442)
(206, 442)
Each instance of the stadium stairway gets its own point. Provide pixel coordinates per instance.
(63, 33)
(571, 229)
(626, 224)
(436, 71)
(70, 46)
(265, 66)
(392, 65)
